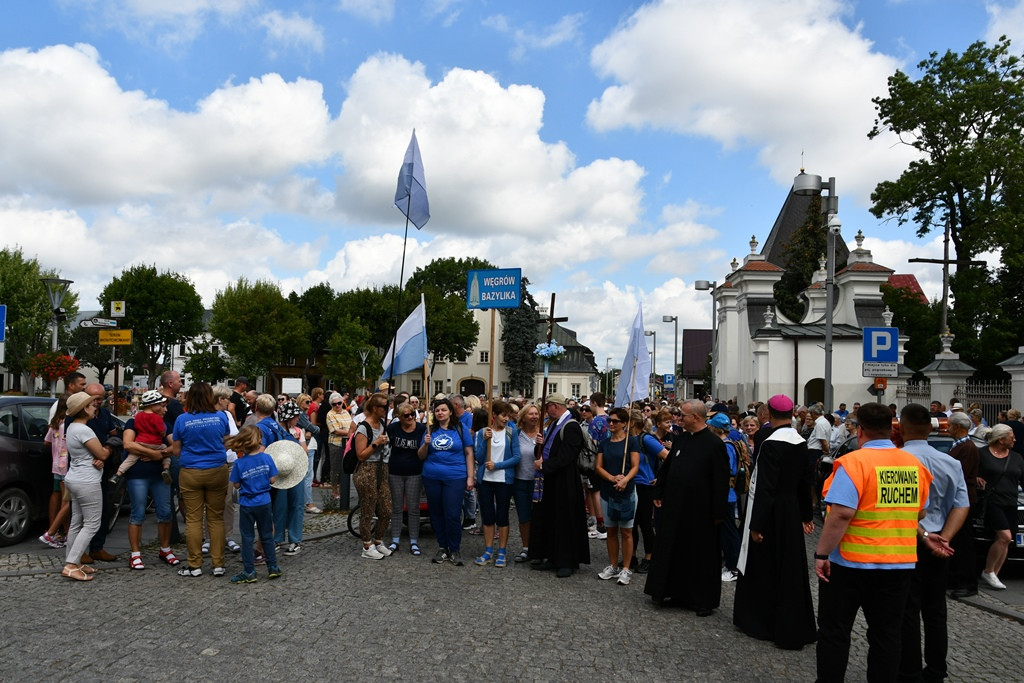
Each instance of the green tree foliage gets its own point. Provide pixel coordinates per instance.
(89, 352)
(162, 310)
(317, 305)
(917, 320)
(343, 363)
(258, 326)
(451, 330)
(28, 310)
(374, 309)
(964, 116)
(802, 254)
(206, 363)
(519, 337)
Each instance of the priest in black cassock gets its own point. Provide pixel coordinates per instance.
(693, 494)
(773, 595)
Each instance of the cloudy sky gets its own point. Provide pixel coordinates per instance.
(616, 152)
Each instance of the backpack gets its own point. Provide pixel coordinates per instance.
(349, 460)
(741, 480)
(588, 454)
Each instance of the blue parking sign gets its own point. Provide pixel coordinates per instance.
(881, 345)
(3, 323)
(670, 381)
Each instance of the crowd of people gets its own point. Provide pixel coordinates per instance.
(710, 493)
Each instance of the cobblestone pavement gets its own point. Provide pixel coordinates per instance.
(334, 614)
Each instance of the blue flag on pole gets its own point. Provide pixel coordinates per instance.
(411, 195)
(636, 366)
(410, 342)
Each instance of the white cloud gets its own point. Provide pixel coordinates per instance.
(565, 30)
(1005, 20)
(75, 135)
(293, 31)
(783, 77)
(374, 11)
(170, 23)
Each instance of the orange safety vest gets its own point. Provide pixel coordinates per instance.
(893, 487)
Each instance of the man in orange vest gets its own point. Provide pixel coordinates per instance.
(868, 547)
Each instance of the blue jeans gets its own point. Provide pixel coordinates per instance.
(138, 492)
(729, 537)
(444, 498)
(260, 516)
(522, 494)
(494, 498)
(288, 512)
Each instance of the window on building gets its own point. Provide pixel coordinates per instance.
(290, 360)
(438, 388)
(576, 390)
(214, 349)
(506, 388)
(552, 387)
(181, 349)
(485, 356)
(416, 386)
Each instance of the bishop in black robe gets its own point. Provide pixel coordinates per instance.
(773, 595)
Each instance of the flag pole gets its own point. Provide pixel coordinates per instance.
(398, 309)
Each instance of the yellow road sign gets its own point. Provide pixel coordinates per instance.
(115, 337)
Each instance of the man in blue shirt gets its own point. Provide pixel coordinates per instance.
(947, 510)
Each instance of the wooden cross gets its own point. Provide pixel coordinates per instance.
(551, 320)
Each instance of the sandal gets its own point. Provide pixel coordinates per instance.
(415, 549)
(393, 547)
(76, 573)
(522, 557)
(136, 562)
(87, 569)
(483, 559)
(500, 561)
(233, 546)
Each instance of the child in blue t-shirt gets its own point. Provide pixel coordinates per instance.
(252, 474)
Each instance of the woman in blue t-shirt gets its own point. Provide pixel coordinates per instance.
(199, 438)
(652, 452)
(618, 460)
(447, 452)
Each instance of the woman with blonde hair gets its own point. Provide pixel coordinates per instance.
(373, 448)
(530, 436)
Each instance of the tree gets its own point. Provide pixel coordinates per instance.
(802, 254)
(317, 305)
(519, 339)
(257, 326)
(965, 118)
(206, 363)
(28, 310)
(917, 320)
(88, 350)
(162, 310)
(374, 309)
(343, 363)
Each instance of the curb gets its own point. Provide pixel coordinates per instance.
(997, 609)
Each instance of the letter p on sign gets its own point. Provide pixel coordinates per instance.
(881, 345)
(880, 341)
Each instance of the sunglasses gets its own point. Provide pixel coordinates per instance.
(614, 421)
(406, 414)
(336, 404)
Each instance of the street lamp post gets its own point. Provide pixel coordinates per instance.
(705, 286)
(675, 351)
(56, 290)
(607, 376)
(654, 361)
(807, 185)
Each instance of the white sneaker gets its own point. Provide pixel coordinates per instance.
(383, 550)
(993, 581)
(609, 572)
(371, 554)
(729, 575)
(624, 576)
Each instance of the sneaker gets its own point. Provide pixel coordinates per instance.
(440, 556)
(187, 571)
(456, 559)
(273, 572)
(166, 476)
(382, 549)
(468, 524)
(371, 554)
(624, 576)
(476, 531)
(244, 577)
(729, 575)
(592, 532)
(219, 571)
(601, 534)
(50, 540)
(206, 547)
(115, 480)
(643, 566)
(313, 510)
(993, 581)
(609, 572)
(293, 549)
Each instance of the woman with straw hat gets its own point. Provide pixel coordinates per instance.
(83, 483)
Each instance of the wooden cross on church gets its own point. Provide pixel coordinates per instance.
(550, 321)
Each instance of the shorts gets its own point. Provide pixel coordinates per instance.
(57, 479)
(619, 513)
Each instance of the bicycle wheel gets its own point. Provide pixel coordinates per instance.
(353, 521)
(117, 499)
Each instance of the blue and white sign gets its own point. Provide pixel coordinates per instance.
(494, 288)
(881, 345)
(3, 323)
(670, 381)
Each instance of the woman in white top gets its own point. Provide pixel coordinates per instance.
(83, 483)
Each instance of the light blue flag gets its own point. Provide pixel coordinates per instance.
(411, 342)
(636, 366)
(411, 195)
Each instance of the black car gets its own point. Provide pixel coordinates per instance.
(26, 480)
